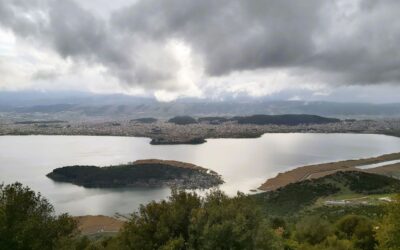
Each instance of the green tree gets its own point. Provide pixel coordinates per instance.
(388, 233)
(161, 225)
(231, 223)
(332, 243)
(27, 220)
(358, 229)
(312, 230)
(187, 221)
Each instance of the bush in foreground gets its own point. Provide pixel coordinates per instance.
(27, 221)
(389, 230)
(187, 221)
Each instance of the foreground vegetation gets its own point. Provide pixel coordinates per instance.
(27, 221)
(215, 221)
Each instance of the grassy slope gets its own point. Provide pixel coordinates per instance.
(297, 197)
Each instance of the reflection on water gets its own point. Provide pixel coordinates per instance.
(243, 163)
(380, 164)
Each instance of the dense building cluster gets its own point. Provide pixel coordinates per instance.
(167, 132)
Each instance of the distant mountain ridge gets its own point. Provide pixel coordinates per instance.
(118, 105)
(288, 119)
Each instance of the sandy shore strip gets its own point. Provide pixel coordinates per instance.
(320, 170)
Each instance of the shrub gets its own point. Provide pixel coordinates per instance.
(27, 220)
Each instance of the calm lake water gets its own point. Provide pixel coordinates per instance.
(243, 163)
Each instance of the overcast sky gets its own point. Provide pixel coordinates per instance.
(345, 50)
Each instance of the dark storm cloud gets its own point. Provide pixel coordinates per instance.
(362, 47)
(76, 33)
(230, 34)
(335, 43)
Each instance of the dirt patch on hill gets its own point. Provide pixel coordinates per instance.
(90, 224)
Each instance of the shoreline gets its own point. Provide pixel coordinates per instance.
(315, 171)
(204, 140)
(165, 133)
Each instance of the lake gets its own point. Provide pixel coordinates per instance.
(243, 163)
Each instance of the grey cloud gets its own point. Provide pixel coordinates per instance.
(78, 34)
(46, 75)
(234, 35)
(364, 48)
(25, 18)
(229, 35)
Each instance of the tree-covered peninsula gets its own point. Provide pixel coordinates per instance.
(142, 173)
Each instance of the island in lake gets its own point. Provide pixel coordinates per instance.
(141, 173)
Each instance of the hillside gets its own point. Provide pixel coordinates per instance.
(215, 120)
(316, 171)
(143, 173)
(145, 120)
(296, 196)
(182, 120)
(290, 119)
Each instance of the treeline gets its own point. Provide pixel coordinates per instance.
(297, 196)
(187, 221)
(145, 120)
(40, 122)
(288, 120)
